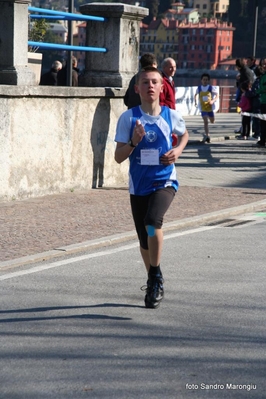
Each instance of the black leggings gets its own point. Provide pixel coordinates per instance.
(150, 210)
(246, 125)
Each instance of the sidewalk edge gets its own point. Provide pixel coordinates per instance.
(122, 237)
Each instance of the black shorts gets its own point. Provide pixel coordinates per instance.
(150, 210)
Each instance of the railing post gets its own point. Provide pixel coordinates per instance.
(14, 43)
(120, 35)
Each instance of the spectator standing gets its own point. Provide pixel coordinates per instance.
(167, 97)
(50, 78)
(245, 105)
(244, 74)
(255, 102)
(132, 98)
(62, 74)
(262, 92)
(143, 135)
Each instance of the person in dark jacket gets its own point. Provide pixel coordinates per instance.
(50, 78)
(262, 93)
(245, 75)
(62, 74)
(255, 101)
(132, 99)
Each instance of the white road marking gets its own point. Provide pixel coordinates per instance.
(111, 251)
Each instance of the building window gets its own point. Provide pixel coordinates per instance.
(204, 6)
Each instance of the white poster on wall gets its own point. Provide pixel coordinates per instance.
(185, 103)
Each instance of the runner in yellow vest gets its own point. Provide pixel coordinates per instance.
(207, 97)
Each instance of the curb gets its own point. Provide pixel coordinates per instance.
(131, 235)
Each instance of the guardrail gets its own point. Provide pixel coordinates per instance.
(52, 14)
(69, 17)
(65, 15)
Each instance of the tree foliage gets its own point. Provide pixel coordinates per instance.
(36, 32)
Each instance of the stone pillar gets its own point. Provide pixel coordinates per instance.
(120, 34)
(14, 43)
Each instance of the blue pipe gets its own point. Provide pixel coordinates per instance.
(76, 17)
(60, 17)
(56, 46)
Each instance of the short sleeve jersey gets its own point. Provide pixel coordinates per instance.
(144, 179)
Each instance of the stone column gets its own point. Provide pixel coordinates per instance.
(120, 34)
(14, 43)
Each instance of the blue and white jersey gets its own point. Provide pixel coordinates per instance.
(146, 178)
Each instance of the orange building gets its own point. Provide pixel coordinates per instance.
(204, 44)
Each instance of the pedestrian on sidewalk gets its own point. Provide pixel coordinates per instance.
(207, 97)
(245, 105)
(144, 135)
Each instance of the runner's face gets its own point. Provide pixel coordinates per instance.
(204, 81)
(149, 86)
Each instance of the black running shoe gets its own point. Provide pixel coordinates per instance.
(154, 292)
(206, 139)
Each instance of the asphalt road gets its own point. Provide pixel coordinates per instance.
(77, 328)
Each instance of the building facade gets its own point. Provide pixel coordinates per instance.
(160, 37)
(204, 45)
(201, 45)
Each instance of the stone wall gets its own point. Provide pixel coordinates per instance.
(58, 139)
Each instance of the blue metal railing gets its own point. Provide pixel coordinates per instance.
(67, 15)
(51, 14)
(67, 47)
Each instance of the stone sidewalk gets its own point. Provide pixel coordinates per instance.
(216, 181)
